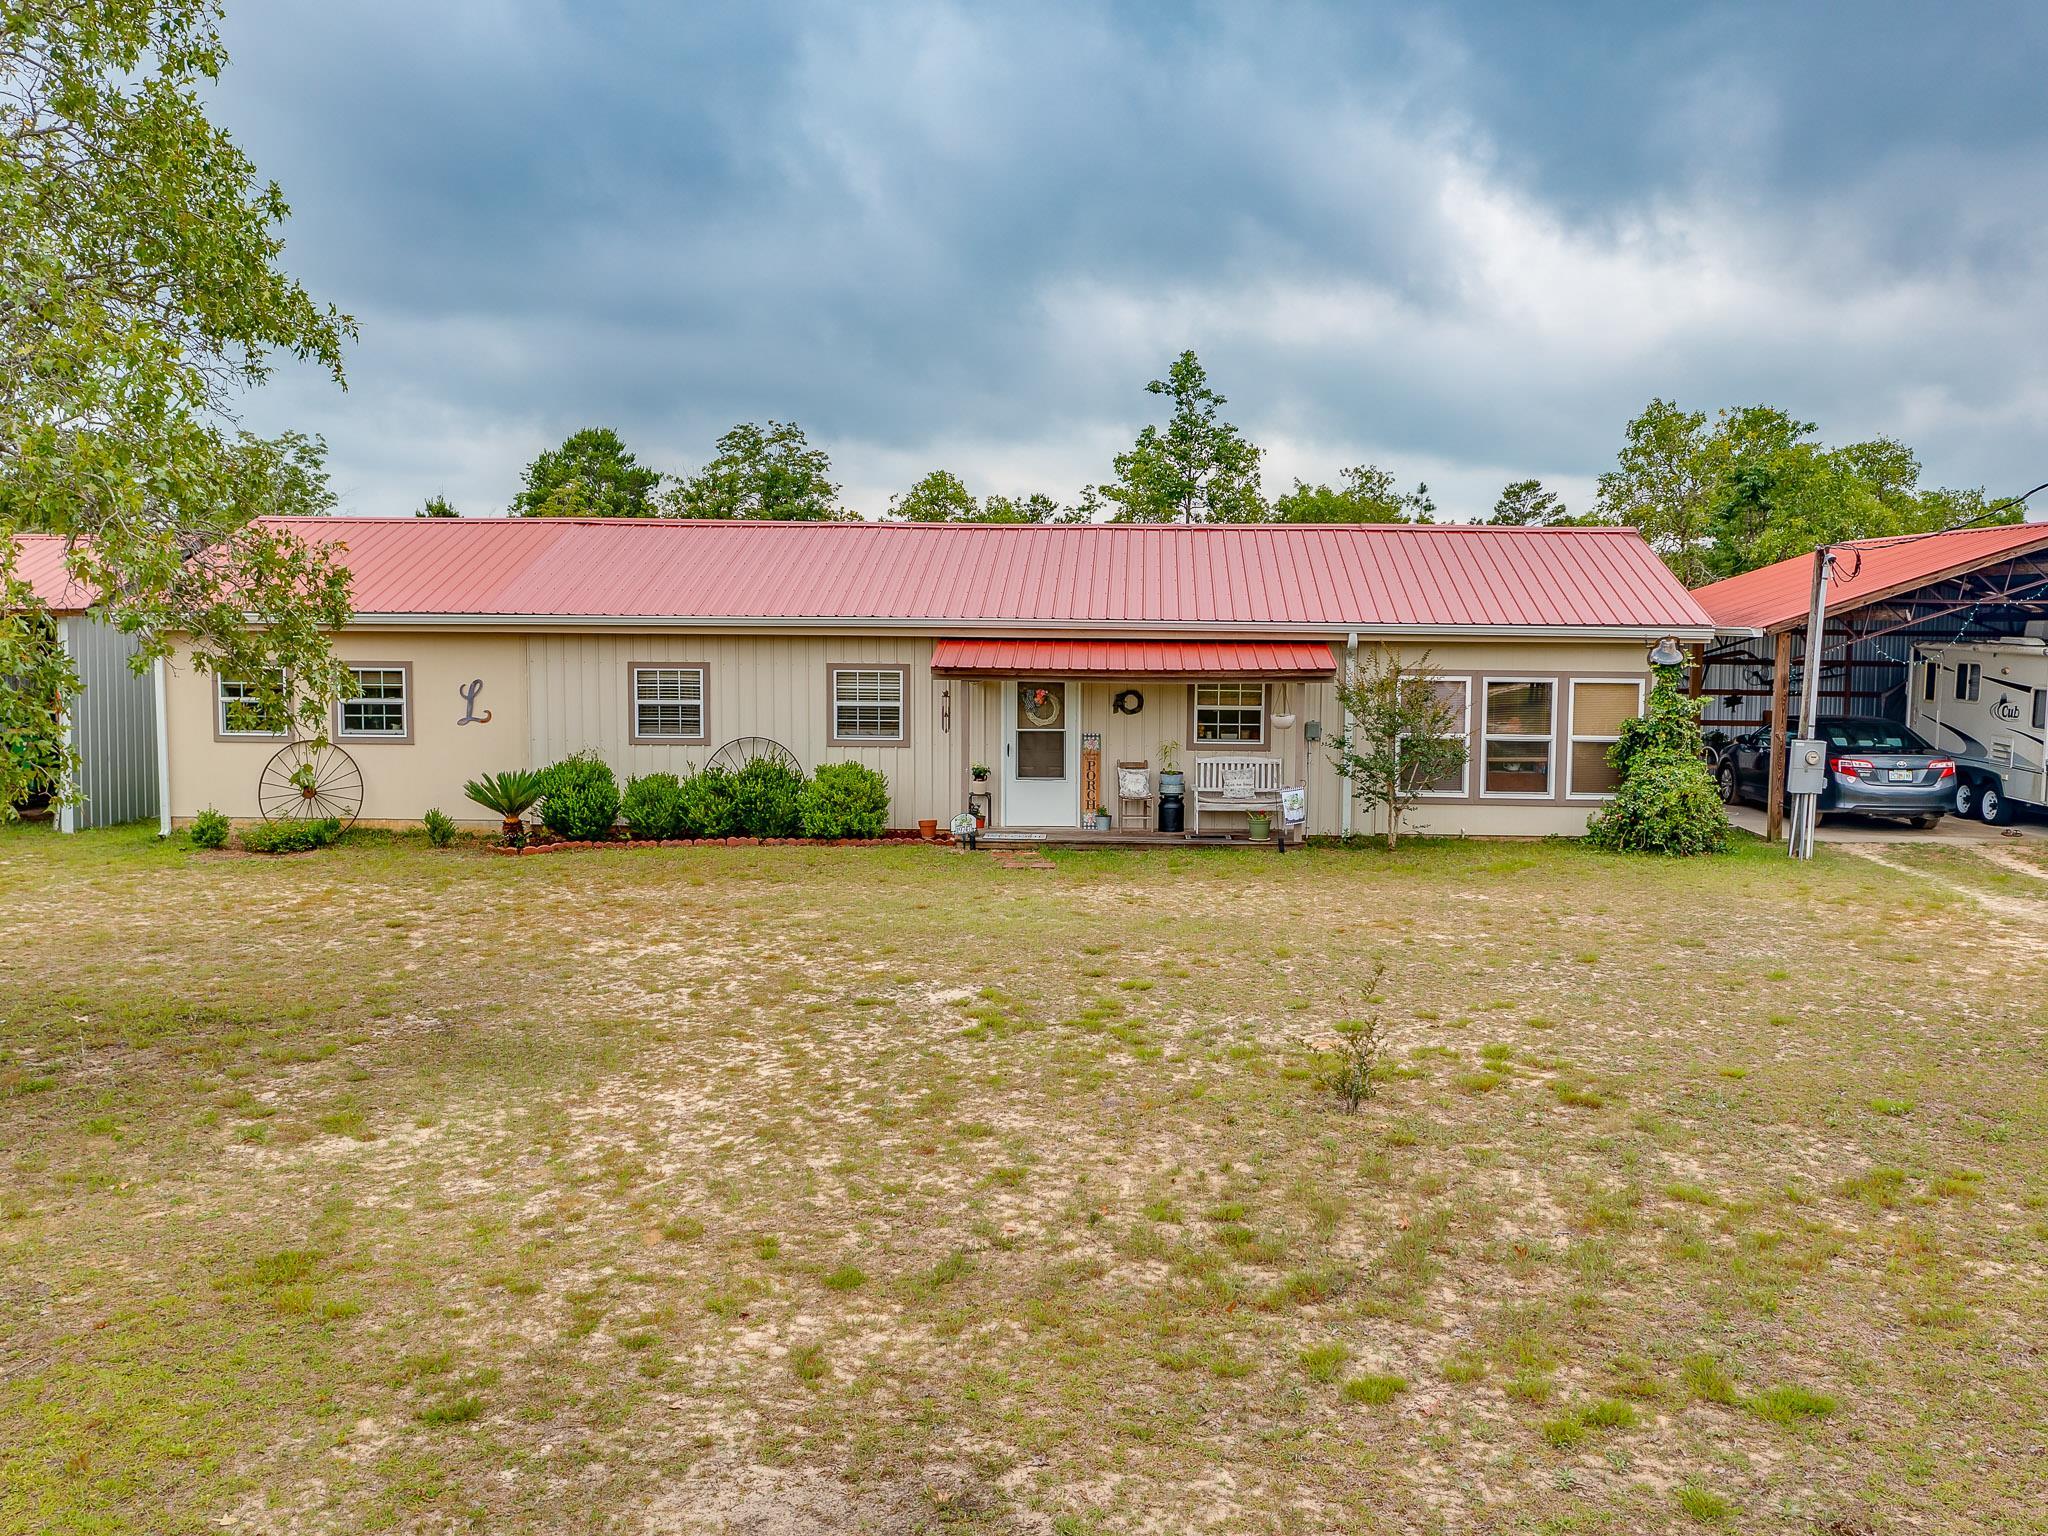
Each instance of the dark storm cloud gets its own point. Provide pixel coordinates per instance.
(1468, 242)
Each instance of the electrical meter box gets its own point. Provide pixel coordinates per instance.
(1806, 766)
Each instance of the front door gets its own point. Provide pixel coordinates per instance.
(1041, 756)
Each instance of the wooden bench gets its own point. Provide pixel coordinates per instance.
(1234, 781)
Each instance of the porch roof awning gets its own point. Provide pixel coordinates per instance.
(1132, 658)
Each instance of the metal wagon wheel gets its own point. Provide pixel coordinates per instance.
(310, 781)
(735, 755)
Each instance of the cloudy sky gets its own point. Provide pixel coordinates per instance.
(1467, 242)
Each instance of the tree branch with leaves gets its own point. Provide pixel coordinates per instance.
(141, 294)
(1406, 732)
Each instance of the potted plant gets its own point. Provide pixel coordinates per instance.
(1102, 818)
(1258, 825)
(979, 773)
(510, 795)
(1171, 781)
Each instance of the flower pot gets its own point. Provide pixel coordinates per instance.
(1172, 782)
(1101, 822)
(928, 827)
(1283, 722)
(1258, 825)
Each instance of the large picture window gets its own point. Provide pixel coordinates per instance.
(379, 704)
(867, 706)
(1598, 710)
(668, 704)
(1230, 714)
(1521, 721)
(239, 708)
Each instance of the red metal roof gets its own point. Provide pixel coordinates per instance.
(39, 561)
(944, 575)
(1133, 658)
(1775, 597)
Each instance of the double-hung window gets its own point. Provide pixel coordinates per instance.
(1517, 740)
(378, 706)
(1455, 694)
(1969, 680)
(867, 706)
(240, 709)
(1230, 714)
(1598, 710)
(668, 703)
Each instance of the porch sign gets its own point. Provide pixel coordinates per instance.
(1294, 806)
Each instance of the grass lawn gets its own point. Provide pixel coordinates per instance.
(790, 1190)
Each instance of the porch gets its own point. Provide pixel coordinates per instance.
(1062, 728)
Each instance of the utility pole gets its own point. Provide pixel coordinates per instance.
(1805, 806)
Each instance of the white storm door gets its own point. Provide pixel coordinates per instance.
(1041, 755)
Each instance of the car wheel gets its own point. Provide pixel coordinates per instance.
(1966, 799)
(1726, 779)
(1993, 806)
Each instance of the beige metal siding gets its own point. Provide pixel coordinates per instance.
(755, 685)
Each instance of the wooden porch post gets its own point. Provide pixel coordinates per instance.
(1696, 674)
(1781, 686)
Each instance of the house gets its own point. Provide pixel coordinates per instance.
(1050, 654)
(110, 723)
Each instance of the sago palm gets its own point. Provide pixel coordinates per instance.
(511, 795)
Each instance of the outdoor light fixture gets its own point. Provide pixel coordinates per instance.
(1666, 653)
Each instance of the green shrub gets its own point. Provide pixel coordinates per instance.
(1666, 802)
(845, 800)
(654, 807)
(290, 836)
(440, 827)
(708, 809)
(209, 829)
(767, 797)
(579, 797)
(1667, 805)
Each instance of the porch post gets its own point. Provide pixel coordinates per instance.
(1781, 686)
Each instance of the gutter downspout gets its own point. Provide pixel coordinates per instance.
(163, 749)
(1350, 666)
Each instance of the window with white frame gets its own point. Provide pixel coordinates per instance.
(867, 704)
(668, 704)
(240, 710)
(1598, 711)
(1230, 714)
(378, 707)
(1456, 692)
(1516, 744)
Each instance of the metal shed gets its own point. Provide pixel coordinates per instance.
(112, 721)
(1887, 598)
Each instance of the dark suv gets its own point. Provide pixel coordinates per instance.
(1874, 767)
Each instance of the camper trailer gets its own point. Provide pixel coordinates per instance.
(1988, 704)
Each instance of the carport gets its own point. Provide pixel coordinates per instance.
(1886, 599)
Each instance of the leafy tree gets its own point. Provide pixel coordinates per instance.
(1406, 733)
(941, 497)
(1665, 802)
(761, 473)
(1529, 504)
(437, 505)
(1660, 487)
(1201, 469)
(1367, 495)
(1757, 487)
(140, 297)
(593, 474)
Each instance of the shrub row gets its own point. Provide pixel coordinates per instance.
(765, 799)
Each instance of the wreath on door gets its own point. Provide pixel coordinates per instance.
(1040, 706)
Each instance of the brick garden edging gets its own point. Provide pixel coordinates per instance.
(723, 842)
